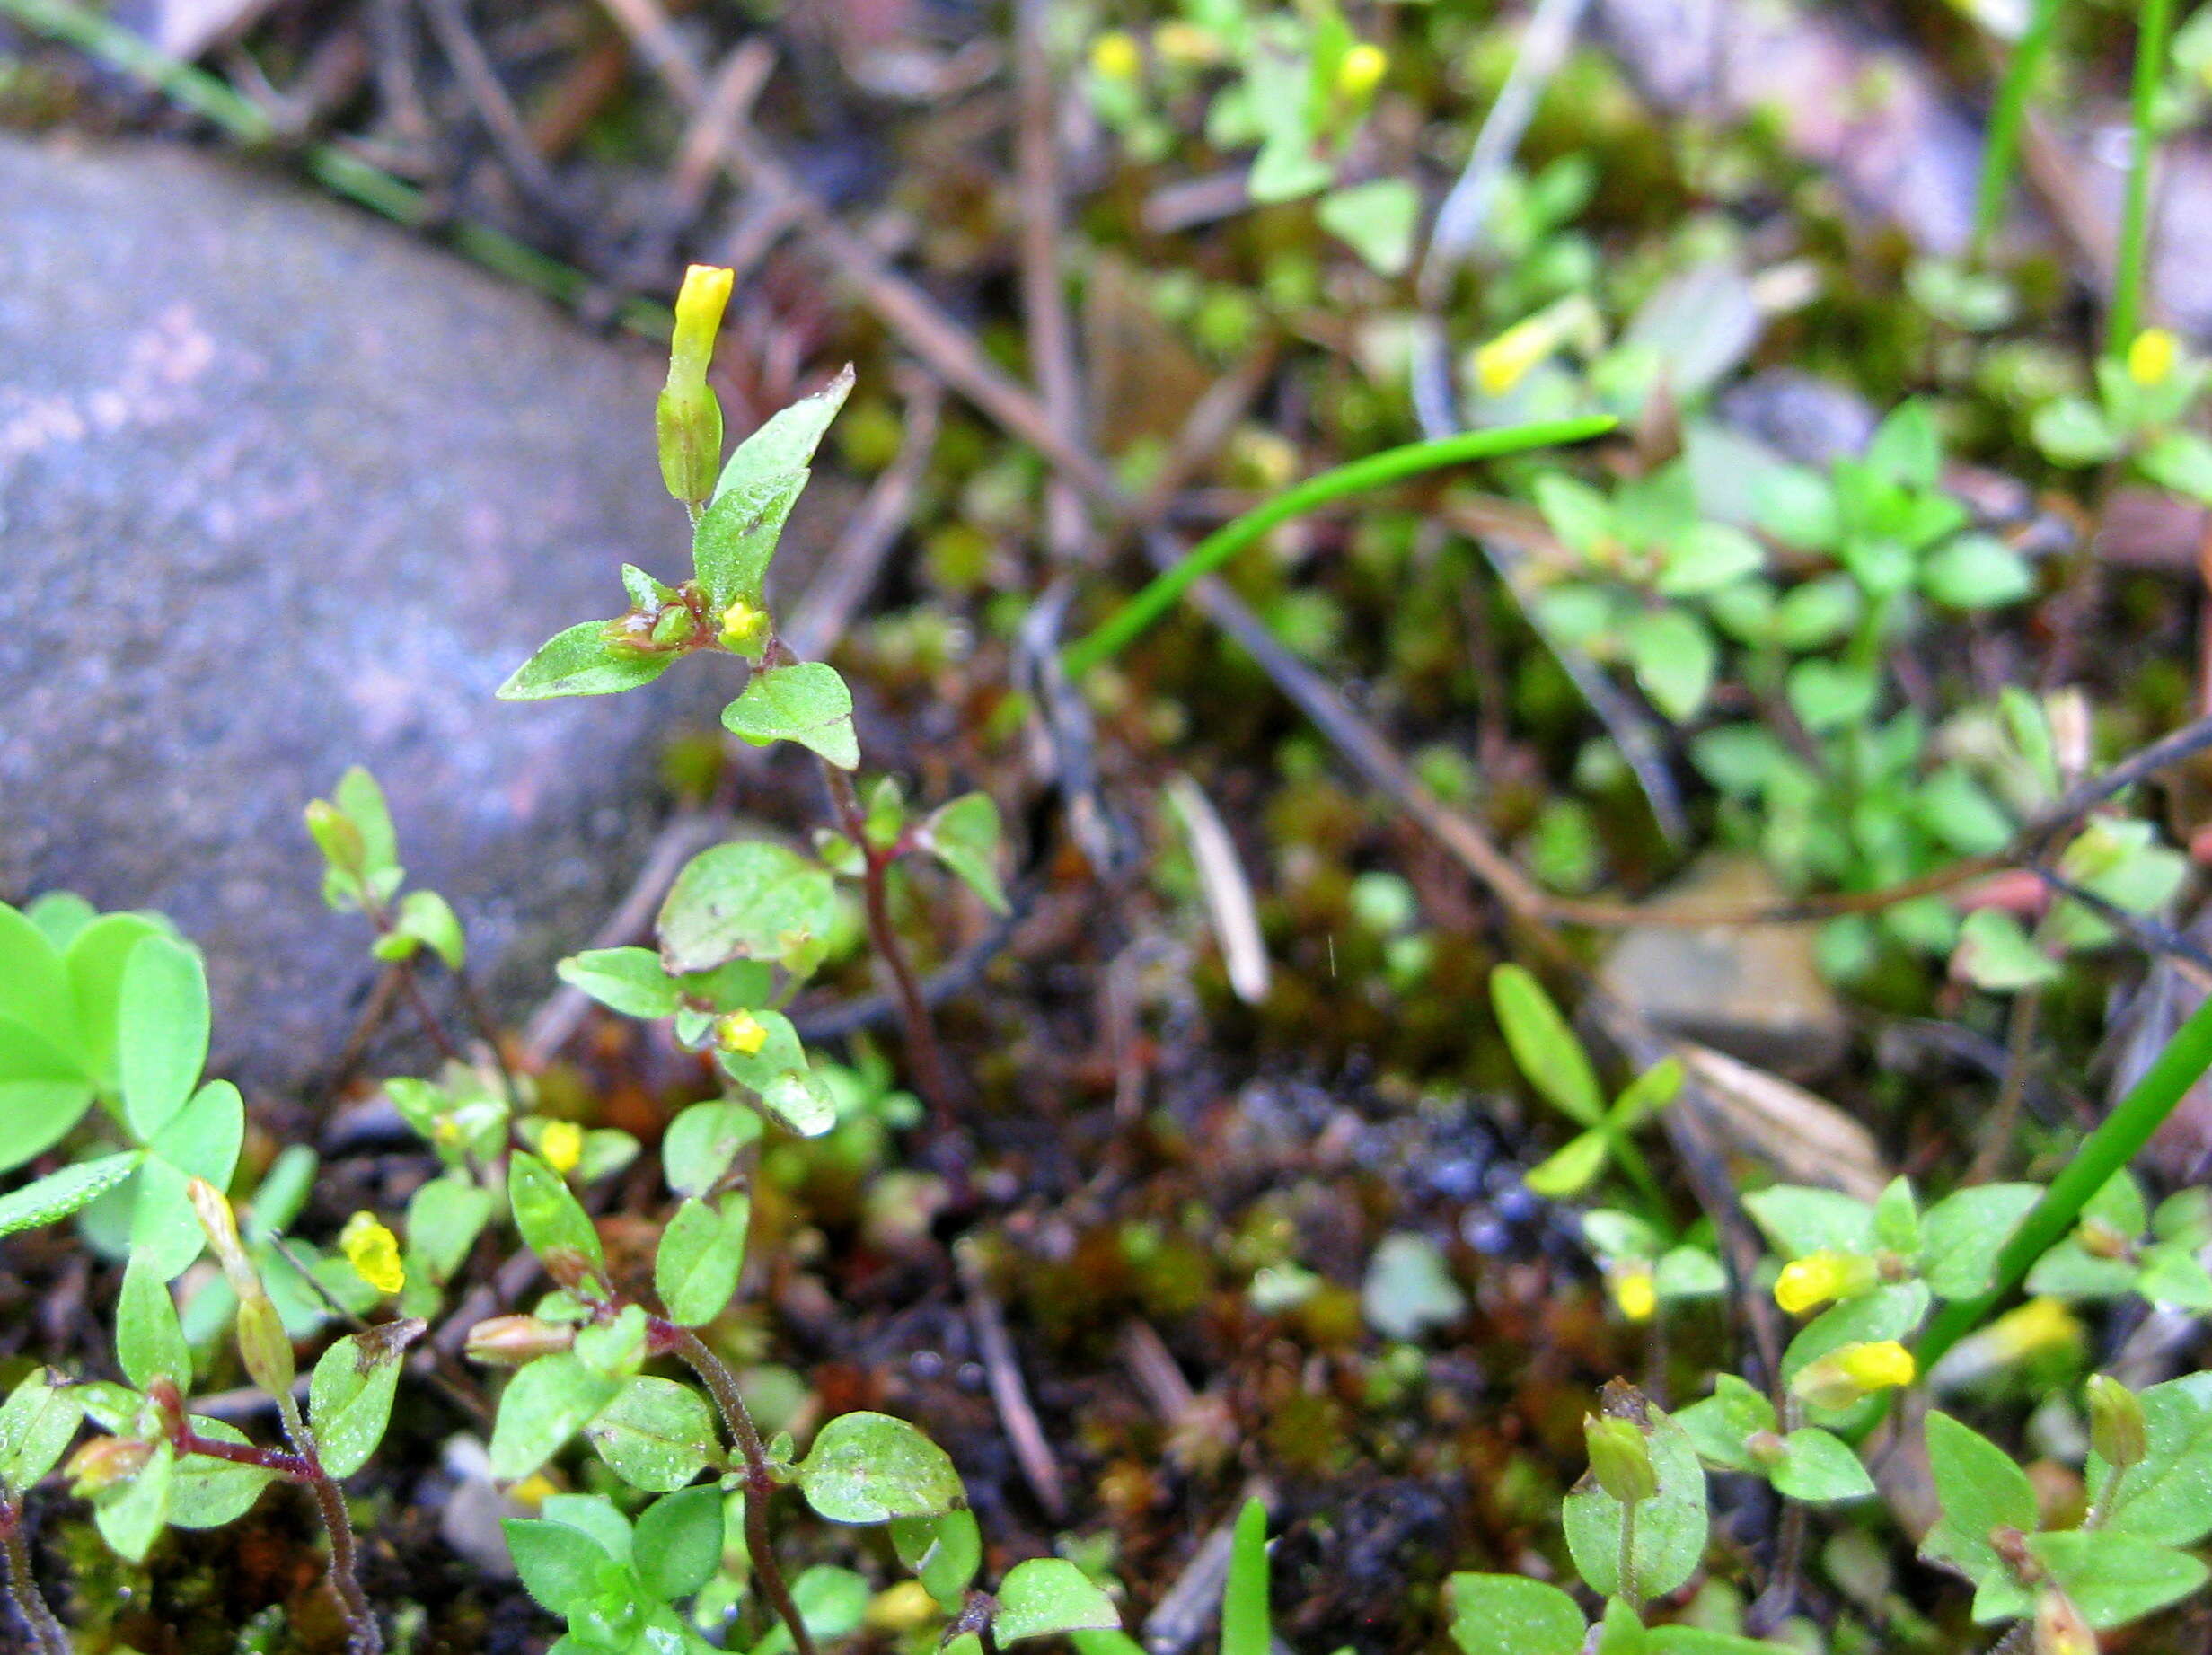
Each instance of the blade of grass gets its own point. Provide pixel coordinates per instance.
(2104, 1152)
(2135, 225)
(1244, 1599)
(1158, 597)
(2001, 147)
(342, 173)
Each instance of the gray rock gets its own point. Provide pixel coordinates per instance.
(1752, 991)
(282, 490)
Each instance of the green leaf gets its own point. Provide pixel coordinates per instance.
(784, 1080)
(1544, 1047)
(1981, 1491)
(61, 1194)
(702, 1143)
(37, 1422)
(735, 540)
(162, 1033)
(1905, 449)
(2167, 1496)
(581, 661)
(43, 1094)
(2115, 1578)
(806, 702)
(1669, 1529)
(1800, 1220)
(944, 1552)
(1509, 1614)
(1817, 1466)
(34, 986)
(559, 1566)
(964, 835)
(630, 980)
(1245, 1620)
(592, 1515)
(130, 1516)
(1977, 571)
(350, 1397)
(1826, 695)
(679, 1541)
(2073, 431)
(1378, 220)
(2180, 460)
(701, 1256)
(1706, 557)
(656, 1434)
(426, 920)
(149, 1340)
(207, 1492)
(786, 441)
(362, 800)
(547, 1213)
(60, 915)
(869, 1468)
(1568, 1171)
(545, 1404)
(1674, 658)
(752, 899)
(1994, 953)
(443, 1219)
(1891, 1311)
(1962, 1235)
(1721, 1425)
(1047, 1595)
(1408, 1288)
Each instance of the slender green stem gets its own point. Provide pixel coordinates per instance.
(1158, 597)
(2104, 1152)
(1629, 1588)
(337, 170)
(2135, 226)
(2006, 119)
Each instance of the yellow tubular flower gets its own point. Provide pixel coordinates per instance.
(700, 305)
(1635, 1293)
(1856, 1371)
(1183, 43)
(563, 1146)
(2152, 357)
(1362, 71)
(2039, 1324)
(374, 1252)
(1809, 1283)
(1114, 56)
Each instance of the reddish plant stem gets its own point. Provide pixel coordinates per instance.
(760, 1481)
(931, 1072)
(37, 1614)
(364, 1635)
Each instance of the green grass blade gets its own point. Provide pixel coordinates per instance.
(1244, 1600)
(2006, 119)
(2135, 224)
(2104, 1152)
(1157, 598)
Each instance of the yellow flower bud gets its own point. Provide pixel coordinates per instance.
(1362, 71)
(510, 1340)
(1856, 1371)
(213, 1209)
(741, 1032)
(2152, 357)
(1182, 43)
(1114, 56)
(687, 418)
(744, 629)
(1635, 1293)
(337, 836)
(904, 1608)
(2118, 1430)
(1809, 1283)
(561, 1145)
(1508, 360)
(263, 1345)
(700, 305)
(374, 1252)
